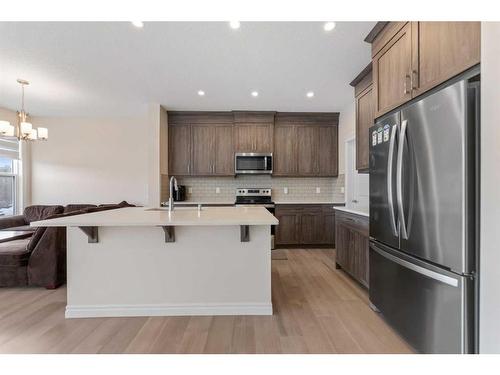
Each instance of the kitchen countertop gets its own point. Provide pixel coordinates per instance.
(195, 203)
(352, 211)
(231, 203)
(309, 202)
(181, 216)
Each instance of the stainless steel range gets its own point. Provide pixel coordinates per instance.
(257, 197)
(254, 196)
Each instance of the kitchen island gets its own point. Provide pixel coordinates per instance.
(138, 261)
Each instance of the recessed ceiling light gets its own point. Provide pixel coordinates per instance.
(138, 24)
(329, 26)
(310, 94)
(255, 94)
(201, 93)
(234, 24)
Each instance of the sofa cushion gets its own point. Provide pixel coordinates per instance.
(119, 205)
(37, 235)
(22, 228)
(71, 213)
(6, 222)
(101, 208)
(77, 207)
(14, 253)
(35, 213)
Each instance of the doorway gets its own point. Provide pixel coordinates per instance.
(356, 184)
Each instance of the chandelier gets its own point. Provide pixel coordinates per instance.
(23, 130)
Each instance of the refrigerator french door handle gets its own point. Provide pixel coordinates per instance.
(399, 180)
(389, 180)
(421, 270)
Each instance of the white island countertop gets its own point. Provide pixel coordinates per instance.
(181, 216)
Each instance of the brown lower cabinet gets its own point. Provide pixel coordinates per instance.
(352, 244)
(305, 225)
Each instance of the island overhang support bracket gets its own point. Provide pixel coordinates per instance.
(244, 233)
(92, 234)
(169, 233)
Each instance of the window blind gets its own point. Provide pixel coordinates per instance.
(9, 148)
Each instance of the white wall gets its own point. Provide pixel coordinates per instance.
(153, 129)
(490, 197)
(91, 160)
(347, 129)
(8, 115)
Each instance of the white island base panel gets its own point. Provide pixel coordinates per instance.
(132, 271)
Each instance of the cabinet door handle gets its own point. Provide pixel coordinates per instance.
(414, 79)
(189, 168)
(407, 77)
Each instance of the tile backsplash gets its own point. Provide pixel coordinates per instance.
(301, 189)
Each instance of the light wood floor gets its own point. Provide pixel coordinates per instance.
(317, 309)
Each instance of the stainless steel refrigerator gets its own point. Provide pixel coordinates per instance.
(423, 220)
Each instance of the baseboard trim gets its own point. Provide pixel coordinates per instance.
(101, 311)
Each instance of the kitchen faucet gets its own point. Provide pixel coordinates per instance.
(172, 185)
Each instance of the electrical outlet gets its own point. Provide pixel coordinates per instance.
(342, 190)
(285, 190)
(190, 190)
(217, 190)
(318, 190)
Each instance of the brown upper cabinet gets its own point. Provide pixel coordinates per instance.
(223, 150)
(212, 150)
(179, 149)
(445, 49)
(201, 144)
(306, 144)
(253, 131)
(392, 72)
(410, 58)
(204, 143)
(365, 115)
(307, 150)
(284, 162)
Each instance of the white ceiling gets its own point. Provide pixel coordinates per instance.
(113, 68)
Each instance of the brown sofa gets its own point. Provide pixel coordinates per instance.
(78, 207)
(31, 213)
(41, 259)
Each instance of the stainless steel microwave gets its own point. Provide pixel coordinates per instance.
(253, 163)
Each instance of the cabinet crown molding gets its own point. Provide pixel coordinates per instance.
(253, 116)
(323, 118)
(199, 117)
(366, 71)
(379, 26)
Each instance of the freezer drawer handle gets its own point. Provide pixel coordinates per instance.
(421, 270)
(399, 180)
(389, 180)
